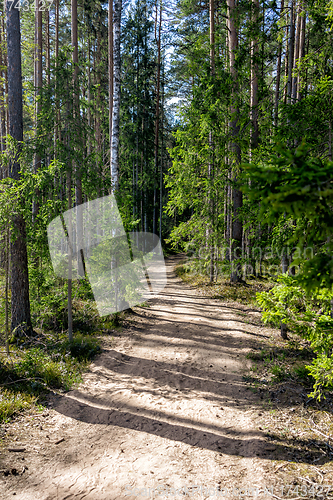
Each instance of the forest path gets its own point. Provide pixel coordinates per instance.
(164, 406)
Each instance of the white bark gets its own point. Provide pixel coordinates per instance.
(114, 160)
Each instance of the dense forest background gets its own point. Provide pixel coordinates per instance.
(211, 123)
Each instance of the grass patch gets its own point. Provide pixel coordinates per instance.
(40, 366)
(12, 403)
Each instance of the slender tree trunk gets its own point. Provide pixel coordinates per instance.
(237, 197)
(116, 99)
(7, 278)
(157, 118)
(254, 81)
(76, 116)
(38, 89)
(110, 66)
(278, 76)
(69, 229)
(330, 138)
(20, 303)
(283, 327)
(56, 53)
(4, 170)
(98, 80)
(161, 161)
(291, 50)
(70, 260)
(286, 61)
(301, 52)
(211, 140)
(89, 97)
(47, 48)
(296, 50)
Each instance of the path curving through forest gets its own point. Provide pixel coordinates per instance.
(163, 411)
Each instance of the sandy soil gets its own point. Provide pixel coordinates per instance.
(162, 413)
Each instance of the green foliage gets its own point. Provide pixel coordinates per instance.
(12, 403)
(82, 348)
(279, 373)
(43, 366)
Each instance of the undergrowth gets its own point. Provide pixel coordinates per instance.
(40, 366)
(47, 361)
(221, 288)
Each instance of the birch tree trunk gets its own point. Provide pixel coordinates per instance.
(116, 100)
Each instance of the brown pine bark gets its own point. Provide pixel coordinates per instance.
(20, 303)
(278, 76)
(291, 50)
(98, 81)
(47, 47)
(237, 197)
(157, 116)
(286, 61)
(4, 172)
(301, 51)
(110, 66)
(296, 50)
(254, 80)
(211, 139)
(38, 77)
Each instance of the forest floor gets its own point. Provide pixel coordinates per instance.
(168, 411)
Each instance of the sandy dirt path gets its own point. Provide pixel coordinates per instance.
(163, 411)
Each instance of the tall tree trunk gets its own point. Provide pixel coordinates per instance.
(278, 76)
(286, 61)
(20, 303)
(98, 80)
(291, 50)
(254, 137)
(56, 53)
(38, 88)
(157, 118)
(301, 51)
(76, 116)
(4, 170)
(47, 46)
(211, 140)
(254, 80)
(89, 97)
(110, 66)
(161, 161)
(296, 50)
(237, 197)
(116, 99)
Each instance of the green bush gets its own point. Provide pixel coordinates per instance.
(82, 348)
(308, 314)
